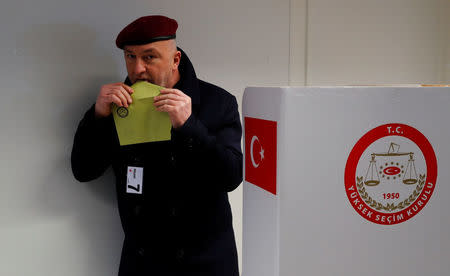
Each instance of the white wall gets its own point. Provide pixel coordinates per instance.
(298, 50)
(446, 35)
(54, 57)
(371, 42)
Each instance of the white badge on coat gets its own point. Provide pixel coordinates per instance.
(134, 180)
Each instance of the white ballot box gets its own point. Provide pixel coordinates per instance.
(349, 181)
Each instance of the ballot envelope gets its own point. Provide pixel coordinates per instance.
(141, 122)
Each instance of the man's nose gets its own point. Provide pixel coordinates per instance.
(139, 66)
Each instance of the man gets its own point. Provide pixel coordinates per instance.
(181, 224)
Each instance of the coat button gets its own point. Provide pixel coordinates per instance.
(173, 212)
(190, 143)
(180, 254)
(137, 210)
(141, 252)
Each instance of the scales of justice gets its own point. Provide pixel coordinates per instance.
(409, 176)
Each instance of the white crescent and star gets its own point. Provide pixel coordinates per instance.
(261, 153)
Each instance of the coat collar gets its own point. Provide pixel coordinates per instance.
(188, 82)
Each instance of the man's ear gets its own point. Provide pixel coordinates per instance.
(176, 59)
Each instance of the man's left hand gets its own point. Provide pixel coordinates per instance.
(176, 104)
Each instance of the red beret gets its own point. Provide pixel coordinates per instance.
(147, 29)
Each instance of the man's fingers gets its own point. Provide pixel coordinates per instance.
(121, 95)
(168, 97)
(176, 104)
(127, 88)
(114, 99)
(166, 102)
(166, 108)
(174, 94)
(173, 91)
(117, 93)
(126, 94)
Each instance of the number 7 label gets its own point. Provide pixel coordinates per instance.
(134, 180)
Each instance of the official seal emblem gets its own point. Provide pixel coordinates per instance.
(122, 112)
(390, 174)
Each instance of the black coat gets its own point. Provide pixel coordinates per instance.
(181, 224)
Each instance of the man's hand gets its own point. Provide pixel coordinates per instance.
(176, 104)
(118, 93)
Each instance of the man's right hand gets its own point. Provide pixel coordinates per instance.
(118, 93)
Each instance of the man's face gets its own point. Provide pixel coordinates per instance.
(156, 62)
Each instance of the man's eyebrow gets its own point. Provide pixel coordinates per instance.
(150, 50)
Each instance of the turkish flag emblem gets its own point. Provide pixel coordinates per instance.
(261, 153)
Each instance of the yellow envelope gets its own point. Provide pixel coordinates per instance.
(141, 122)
